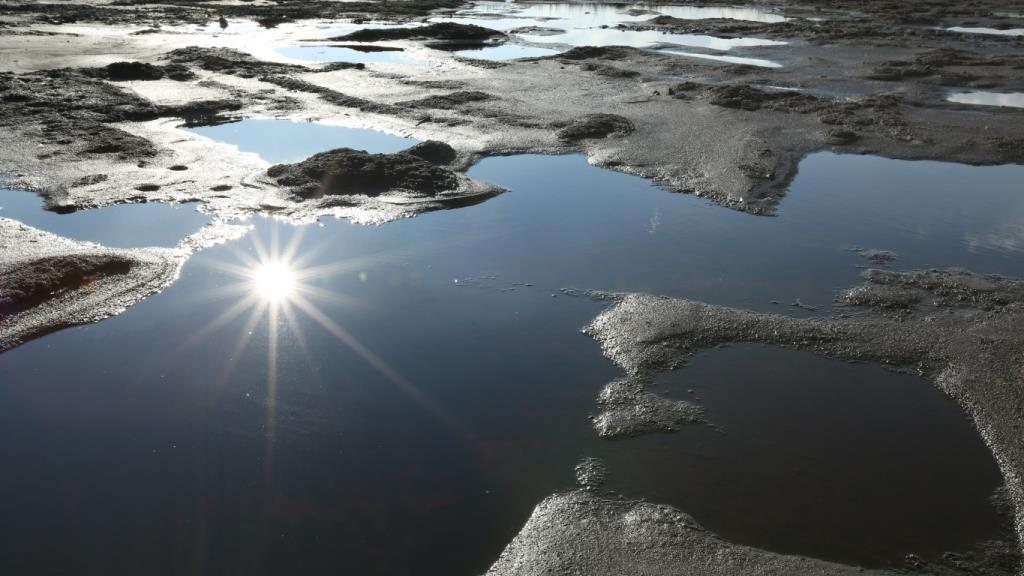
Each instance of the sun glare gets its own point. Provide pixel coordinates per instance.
(273, 281)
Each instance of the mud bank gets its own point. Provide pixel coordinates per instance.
(959, 329)
(48, 282)
(581, 532)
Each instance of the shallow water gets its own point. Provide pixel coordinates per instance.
(594, 24)
(285, 141)
(336, 54)
(428, 384)
(982, 30)
(507, 52)
(121, 225)
(507, 15)
(730, 59)
(1006, 99)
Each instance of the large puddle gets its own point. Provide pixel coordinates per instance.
(378, 399)
(121, 225)
(286, 141)
(561, 25)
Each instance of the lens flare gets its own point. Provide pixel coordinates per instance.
(274, 281)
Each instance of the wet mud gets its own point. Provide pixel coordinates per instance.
(86, 125)
(954, 327)
(48, 282)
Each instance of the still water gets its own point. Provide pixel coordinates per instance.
(563, 24)
(121, 226)
(981, 98)
(398, 397)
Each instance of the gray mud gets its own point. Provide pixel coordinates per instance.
(48, 282)
(959, 329)
(86, 127)
(580, 532)
(628, 409)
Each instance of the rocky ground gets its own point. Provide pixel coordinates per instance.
(94, 94)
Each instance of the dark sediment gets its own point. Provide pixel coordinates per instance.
(596, 126)
(345, 171)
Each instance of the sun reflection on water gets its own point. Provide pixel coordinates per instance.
(274, 281)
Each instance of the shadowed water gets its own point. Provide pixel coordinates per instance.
(427, 384)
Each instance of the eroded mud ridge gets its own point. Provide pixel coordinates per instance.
(959, 329)
(94, 96)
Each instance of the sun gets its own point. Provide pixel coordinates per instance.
(273, 281)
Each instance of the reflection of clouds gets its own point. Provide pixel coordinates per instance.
(980, 30)
(1002, 232)
(1013, 99)
(584, 23)
(702, 12)
(610, 14)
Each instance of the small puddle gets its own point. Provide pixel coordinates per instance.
(1005, 99)
(430, 373)
(982, 30)
(119, 225)
(337, 54)
(507, 52)
(285, 141)
(730, 59)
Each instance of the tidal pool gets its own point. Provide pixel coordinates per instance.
(282, 141)
(120, 225)
(1005, 99)
(594, 24)
(378, 399)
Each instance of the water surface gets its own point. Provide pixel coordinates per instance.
(286, 141)
(573, 24)
(338, 54)
(120, 225)
(507, 52)
(1005, 99)
(427, 384)
(983, 30)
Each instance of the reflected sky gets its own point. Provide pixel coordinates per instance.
(1007, 99)
(318, 395)
(730, 59)
(335, 54)
(120, 225)
(643, 39)
(507, 52)
(594, 24)
(982, 30)
(286, 141)
(594, 15)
